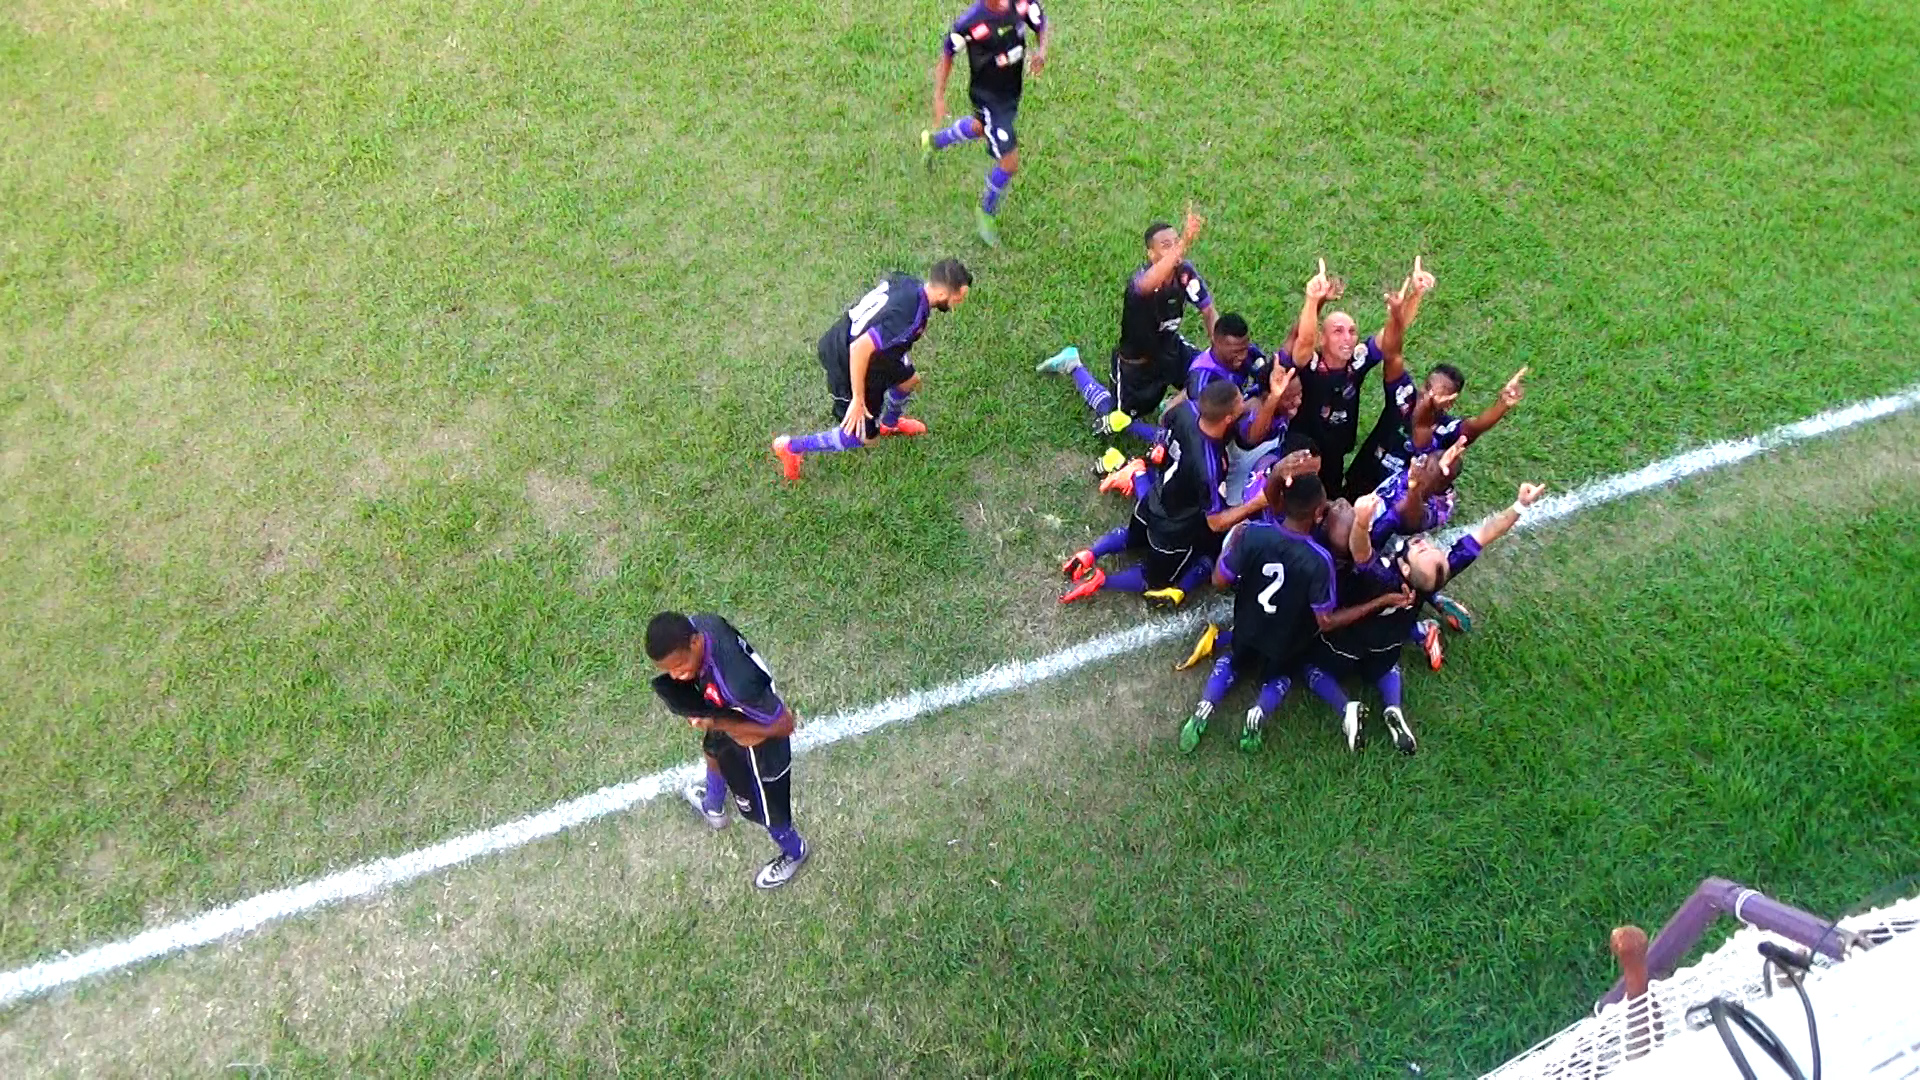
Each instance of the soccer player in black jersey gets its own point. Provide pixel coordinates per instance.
(866, 361)
(1151, 357)
(993, 34)
(1332, 362)
(711, 676)
(1178, 520)
(1283, 592)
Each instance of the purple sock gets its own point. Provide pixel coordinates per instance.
(997, 181)
(716, 796)
(1414, 635)
(1329, 690)
(1113, 543)
(1132, 579)
(962, 130)
(789, 840)
(824, 442)
(1272, 694)
(1225, 639)
(1219, 681)
(896, 404)
(1143, 431)
(1097, 397)
(1196, 574)
(1389, 685)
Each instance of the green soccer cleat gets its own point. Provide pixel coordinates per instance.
(983, 224)
(926, 150)
(1195, 727)
(1060, 363)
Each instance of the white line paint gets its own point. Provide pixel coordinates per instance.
(380, 874)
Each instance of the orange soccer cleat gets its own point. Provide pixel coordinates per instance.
(789, 461)
(907, 426)
(1088, 585)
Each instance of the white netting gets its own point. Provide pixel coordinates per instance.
(1642, 1028)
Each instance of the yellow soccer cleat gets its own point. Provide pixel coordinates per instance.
(1117, 421)
(1202, 648)
(1171, 596)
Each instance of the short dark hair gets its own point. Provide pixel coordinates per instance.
(668, 633)
(1451, 372)
(1154, 230)
(950, 274)
(1303, 496)
(1217, 400)
(1232, 324)
(1297, 441)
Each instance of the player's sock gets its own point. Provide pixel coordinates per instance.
(1196, 574)
(1113, 543)
(1327, 687)
(1389, 685)
(789, 840)
(1272, 694)
(1219, 681)
(716, 797)
(962, 130)
(1142, 430)
(824, 442)
(997, 181)
(1132, 579)
(1225, 640)
(1097, 397)
(896, 404)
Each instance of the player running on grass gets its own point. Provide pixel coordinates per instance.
(993, 34)
(1179, 519)
(1371, 651)
(711, 676)
(1151, 357)
(1283, 590)
(866, 361)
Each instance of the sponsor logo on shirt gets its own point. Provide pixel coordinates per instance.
(981, 31)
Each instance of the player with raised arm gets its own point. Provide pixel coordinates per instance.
(1413, 567)
(1151, 357)
(711, 676)
(1332, 362)
(1283, 591)
(993, 34)
(1179, 519)
(865, 356)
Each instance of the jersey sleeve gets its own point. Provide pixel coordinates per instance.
(1462, 554)
(1030, 11)
(953, 42)
(1233, 560)
(1400, 396)
(1366, 358)
(1193, 287)
(745, 681)
(1320, 582)
(899, 323)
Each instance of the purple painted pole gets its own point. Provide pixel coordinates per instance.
(1716, 897)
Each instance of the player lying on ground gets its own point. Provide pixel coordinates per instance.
(865, 356)
(711, 676)
(1332, 363)
(1283, 592)
(1178, 521)
(994, 35)
(1151, 357)
(1413, 566)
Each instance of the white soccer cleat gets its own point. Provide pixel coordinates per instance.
(1350, 724)
(696, 796)
(1401, 730)
(781, 869)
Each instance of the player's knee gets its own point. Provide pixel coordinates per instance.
(910, 384)
(1010, 162)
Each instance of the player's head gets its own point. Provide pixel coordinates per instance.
(1300, 442)
(947, 284)
(1304, 501)
(1446, 380)
(1220, 405)
(674, 646)
(1424, 564)
(1230, 342)
(1339, 528)
(1340, 336)
(1160, 239)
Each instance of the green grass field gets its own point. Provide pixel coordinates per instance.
(372, 372)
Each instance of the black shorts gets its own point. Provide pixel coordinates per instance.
(1365, 667)
(1139, 386)
(880, 379)
(759, 777)
(997, 114)
(1164, 565)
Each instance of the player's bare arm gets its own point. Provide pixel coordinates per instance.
(1155, 277)
(1341, 618)
(1306, 332)
(1510, 396)
(1234, 515)
(942, 71)
(1402, 307)
(859, 355)
(1270, 408)
(1503, 522)
(1038, 61)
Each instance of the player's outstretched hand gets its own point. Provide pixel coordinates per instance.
(1318, 286)
(1191, 230)
(1422, 280)
(1039, 62)
(1511, 393)
(856, 419)
(1450, 461)
(1530, 494)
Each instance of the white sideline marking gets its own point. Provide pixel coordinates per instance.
(372, 877)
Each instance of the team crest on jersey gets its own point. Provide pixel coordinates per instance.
(713, 695)
(1360, 352)
(980, 31)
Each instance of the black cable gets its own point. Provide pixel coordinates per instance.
(1727, 1014)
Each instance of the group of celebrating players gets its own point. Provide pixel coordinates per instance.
(1245, 480)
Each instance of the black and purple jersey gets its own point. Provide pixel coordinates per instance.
(1189, 480)
(1252, 378)
(1387, 631)
(732, 682)
(1150, 322)
(1329, 398)
(892, 315)
(1392, 490)
(1389, 447)
(996, 45)
(1281, 580)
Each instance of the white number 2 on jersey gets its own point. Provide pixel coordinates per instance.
(862, 313)
(1278, 572)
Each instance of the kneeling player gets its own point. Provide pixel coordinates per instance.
(711, 676)
(866, 361)
(1282, 581)
(1178, 522)
(1414, 568)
